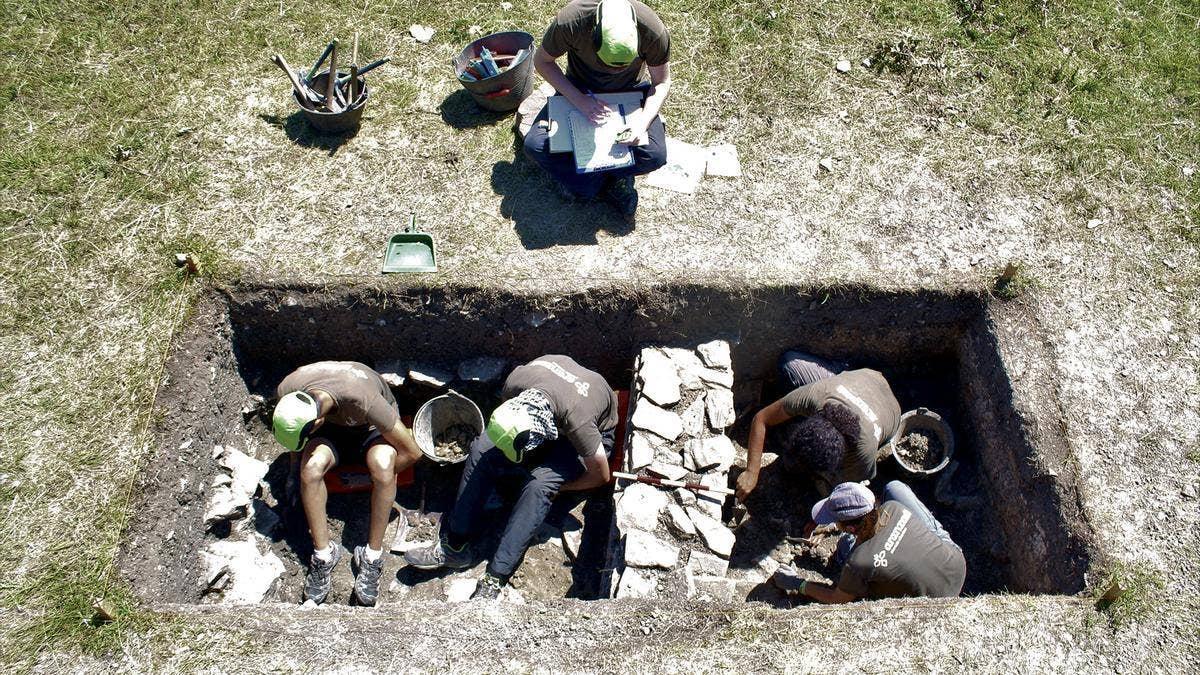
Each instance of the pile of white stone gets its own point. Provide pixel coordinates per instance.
(674, 540)
(235, 569)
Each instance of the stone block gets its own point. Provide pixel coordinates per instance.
(245, 471)
(712, 503)
(654, 419)
(717, 589)
(716, 536)
(639, 507)
(430, 376)
(685, 497)
(226, 504)
(641, 451)
(679, 523)
(719, 404)
(482, 369)
(643, 549)
(688, 366)
(708, 454)
(667, 470)
(715, 354)
(710, 376)
(635, 583)
(252, 574)
(659, 377)
(705, 564)
(460, 589)
(693, 417)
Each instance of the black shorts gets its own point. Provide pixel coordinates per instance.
(349, 444)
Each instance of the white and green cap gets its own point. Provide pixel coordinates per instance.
(293, 419)
(509, 428)
(616, 27)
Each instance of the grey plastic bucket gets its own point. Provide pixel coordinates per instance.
(923, 419)
(439, 414)
(503, 92)
(335, 123)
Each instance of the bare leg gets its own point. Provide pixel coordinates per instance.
(381, 461)
(316, 460)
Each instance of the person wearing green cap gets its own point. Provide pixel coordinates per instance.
(343, 412)
(608, 44)
(554, 432)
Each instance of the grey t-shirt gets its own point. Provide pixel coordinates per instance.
(360, 396)
(583, 403)
(571, 33)
(903, 559)
(867, 394)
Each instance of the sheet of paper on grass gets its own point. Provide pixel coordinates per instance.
(683, 170)
(723, 161)
(560, 109)
(596, 147)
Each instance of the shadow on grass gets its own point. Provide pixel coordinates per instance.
(303, 134)
(460, 111)
(541, 217)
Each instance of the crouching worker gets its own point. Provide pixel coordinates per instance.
(554, 432)
(606, 43)
(342, 412)
(848, 415)
(899, 549)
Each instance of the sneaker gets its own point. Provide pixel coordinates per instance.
(624, 197)
(488, 588)
(320, 573)
(436, 556)
(366, 576)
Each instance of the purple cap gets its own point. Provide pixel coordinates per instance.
(847, 502)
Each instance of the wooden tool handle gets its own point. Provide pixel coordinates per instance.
(331, 81)
(295, 79)
(696, 487)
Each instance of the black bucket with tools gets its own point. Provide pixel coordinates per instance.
(331, 106)
(497, 70)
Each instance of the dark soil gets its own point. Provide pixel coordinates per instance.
(920, 450)
(454, 441)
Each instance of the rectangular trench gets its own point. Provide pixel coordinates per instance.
(945, 351)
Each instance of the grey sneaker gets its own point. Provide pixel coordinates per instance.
(488, 588)
(439, 555)
(624, 197)
(320, 572)
(366, 576)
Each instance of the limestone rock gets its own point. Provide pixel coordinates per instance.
(704, 564)
(392, 372)
(718, 589)
(705, 454)
(571, 540)
(679, 523)
(421, 33)
(716, 536)
(225, 504)
(843, 66)
(635, 584)
(711, 503)
(216, 571)
(641, 452)
(660, 381)
(657, 421)
(715, 354)
(721, 377)
(639, 507)
(643, 549)
(693, 417)
(252, 574)
(245, 470)
(460, 589)
(719, 404)
(688, 366)
(667, 470)
(482, 369)
(429, 376)
(685, 497)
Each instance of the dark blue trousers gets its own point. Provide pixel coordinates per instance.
(541, 477)
(561, 165)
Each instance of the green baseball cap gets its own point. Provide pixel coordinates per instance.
(616, 24)
(508, 429)
(293, 419)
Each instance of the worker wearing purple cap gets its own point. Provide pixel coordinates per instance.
(899, 549)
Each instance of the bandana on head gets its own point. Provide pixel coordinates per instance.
(540, 414)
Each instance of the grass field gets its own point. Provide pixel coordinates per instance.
(117, 150)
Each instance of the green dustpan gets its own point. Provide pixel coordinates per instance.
(410, 251)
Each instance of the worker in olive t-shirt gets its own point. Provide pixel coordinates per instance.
(848, 416)
(342, 412)
(554, 432)
(900, 549)
(607, 44)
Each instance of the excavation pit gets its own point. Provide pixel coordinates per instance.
(1010, 498)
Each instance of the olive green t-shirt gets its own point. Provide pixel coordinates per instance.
(572, 33)
(903, 559)
(360, 396)
(583, 403)
(867, 394)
